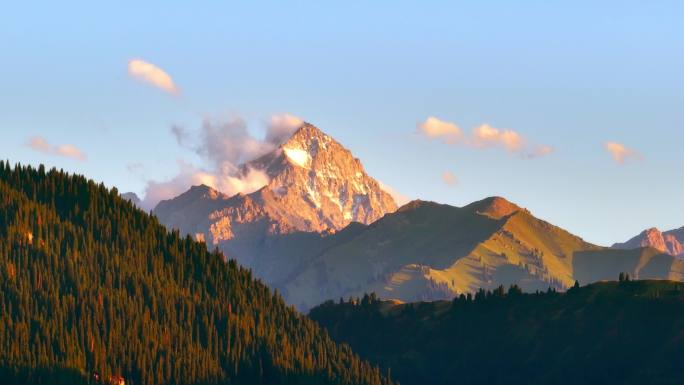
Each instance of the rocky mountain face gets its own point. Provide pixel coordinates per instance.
(316, 185)
(670, 242)
(323, 229)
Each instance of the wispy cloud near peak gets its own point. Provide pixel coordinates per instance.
(282, 126)
(223, 145)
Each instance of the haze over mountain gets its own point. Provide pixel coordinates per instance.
(324, 229)
(670, 242)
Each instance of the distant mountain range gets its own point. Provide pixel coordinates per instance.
(429, 251)
(322, 228)
(670, 242)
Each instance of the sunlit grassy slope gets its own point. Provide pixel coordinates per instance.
(431, 251)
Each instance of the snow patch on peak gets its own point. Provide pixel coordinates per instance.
(297, 156)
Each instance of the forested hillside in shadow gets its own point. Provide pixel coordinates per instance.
(626, 332)
(90, 284)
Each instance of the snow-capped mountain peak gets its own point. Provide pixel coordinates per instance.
(316, 185)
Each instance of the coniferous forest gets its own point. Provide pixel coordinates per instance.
(624, 332)
(93, 290)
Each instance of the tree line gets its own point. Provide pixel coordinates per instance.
(624, 332)
(92, 289)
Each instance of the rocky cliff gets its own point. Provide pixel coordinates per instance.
(316, 185)
(670, 242)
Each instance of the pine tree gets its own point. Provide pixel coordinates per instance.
(90, 284)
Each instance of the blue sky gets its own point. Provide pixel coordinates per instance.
(571, 75)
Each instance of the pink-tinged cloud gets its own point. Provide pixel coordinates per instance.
(620, 153)
(486, 135)
(435, 128)
(39, 143)
(542, 151)
(153, 75)
(449, 178)
(223, 145)
(482, 136)
(399, 198)
(228, 183)
(281, 127)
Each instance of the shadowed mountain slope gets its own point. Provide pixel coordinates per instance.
(431, 251)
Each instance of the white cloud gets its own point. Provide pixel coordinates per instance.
(620, 152)
(228, 143)
(482, 136)
(190, 175)
(281, 127)
(438, 129)
(151, 74)
(39, 143)
(223, 146)
(449, 178)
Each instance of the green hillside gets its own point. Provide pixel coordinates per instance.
(89, 284)
(629, 332)
(430, 251)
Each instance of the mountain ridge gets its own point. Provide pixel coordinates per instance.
(427, 250)
(299, 236)
(430, 251)
(670, 242)
(316, 185)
